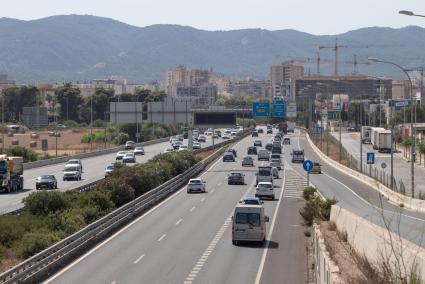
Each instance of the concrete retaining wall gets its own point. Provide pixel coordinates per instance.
(327, 272)
(394, 197)
(377, 243)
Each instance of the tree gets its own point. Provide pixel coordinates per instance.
(70, 101)
(99, 101)
(16, 98)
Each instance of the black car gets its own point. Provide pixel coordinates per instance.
(269, 146)
(286, 141)
(46, 181)
(270, 131)
(233, 151)
(260, 131)
(254, 134)
(236, 178)
(228, 157)
(276, 150)
(252, 150)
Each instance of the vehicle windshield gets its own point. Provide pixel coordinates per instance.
(265, 185)
(71, 169)
(46, 177)
(252, 219)
(298, 152)
(195, 182)
(251, 202)
(264, 172)
(73, 162)
(235, 174)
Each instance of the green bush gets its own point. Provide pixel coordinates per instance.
(121, 138)
(316, 208)
(12, 228)
(100, 123)
(44, 203)
(309, 192)
(98, 137)
(120, 193)
(28, 155)
(72, 221)
(71, 123)
(33, 243)
(95, 199)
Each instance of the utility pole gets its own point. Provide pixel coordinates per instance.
(2, 122)
(340, 125)
(361, 135)
(91, 123)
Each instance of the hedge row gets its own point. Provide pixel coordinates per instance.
(50, 216)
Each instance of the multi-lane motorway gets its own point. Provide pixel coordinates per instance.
(187, 238)
(93, 170)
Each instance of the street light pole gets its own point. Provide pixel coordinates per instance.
(2, 122)
(410, 13)
(91, 123)
(412, 113)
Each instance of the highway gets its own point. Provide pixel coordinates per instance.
(187, 238)
(93, 170)
(402, 171)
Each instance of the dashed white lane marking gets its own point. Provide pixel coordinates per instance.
(139, 259)
(114, 282)
(212, 191)
(202, 199)
(219, 183)
(179, 221)
(203, 259)
(162, 237)
(192, 209)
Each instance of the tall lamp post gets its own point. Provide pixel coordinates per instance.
(412, 135)
(410, 13)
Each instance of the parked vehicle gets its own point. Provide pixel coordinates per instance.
(235, 178)
(265, 189)
(46, 181)
(263, 155)
(297, 156)
(139, 151)
(72, 172)
(196, 185)
(264, 174)
(248, 161)
(249, 224)
(129, 145)
(366, 134)
(11, 173)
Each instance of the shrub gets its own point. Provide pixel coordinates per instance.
(120, 192)
(309, 192)
(44, 203)
(316, 208)
(121, 138)
(28, 155)
(33, 243)
(70, 123)
(99, 200)
(72, 221)
(12, 228)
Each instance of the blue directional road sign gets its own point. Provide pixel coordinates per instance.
(370, 157)
(260, 109)
(279, 108)
(307, 165)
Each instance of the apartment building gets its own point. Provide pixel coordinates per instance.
(283, 76)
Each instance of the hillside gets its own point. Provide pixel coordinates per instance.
(77, 48)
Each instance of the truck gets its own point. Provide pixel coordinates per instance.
(11, 171)
(291, 127)
(264, 174)
(374, 137)
(283, 127)
(366, 134)
(384, 141)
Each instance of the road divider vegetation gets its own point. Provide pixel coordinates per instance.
(50, 216)
(315, 207)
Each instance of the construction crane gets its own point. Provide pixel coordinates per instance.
(356, 63)
(337, 46)
(317, 60)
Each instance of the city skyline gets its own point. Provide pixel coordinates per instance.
(324, 17)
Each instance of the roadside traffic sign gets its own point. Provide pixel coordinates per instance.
(44, 145)
(370, 157)
(383, 165)
(307, 165)
(260, 109)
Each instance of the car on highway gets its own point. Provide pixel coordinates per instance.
(109, 170)
(249, 200)
(228, 157)
(196, 146)
(196, 185)
(258, 143)
(176, 145)
(233, 133)
(208, 133)
(249, 224)
(236, 178)
(265, 189)
(183, 148)
(317, 169)
(174, 140)
(276, 156)
(120, 155)
(269, 146)
(129, 145)
(217, 132)
(275, 172)
(202, 138)
(286, 141)
(263, 155)
(297, 156)
(72, 172)
(260, 130)
(275, 163)
(75, 162)
(180, 137)
(276, 149)
(252, 150)
(139, 151)
(168, 150)
(225, 136)
(247, 161)
(46, 181)
(129, 158)
(269, 131)
(254, 134)
(235, 153)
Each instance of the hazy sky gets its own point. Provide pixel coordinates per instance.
(313, 16)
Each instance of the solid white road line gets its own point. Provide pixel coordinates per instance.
(202, 199)
(179, 221)
(162, 237)
(263, 258)
(139, 259)
(192, 209)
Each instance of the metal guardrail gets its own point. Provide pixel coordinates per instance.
(50, 259)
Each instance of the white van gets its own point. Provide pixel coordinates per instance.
(263, 155)
(264, 174)
(249, 224)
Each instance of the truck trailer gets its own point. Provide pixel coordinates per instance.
(384, 141)
(11, 171)
(375, 136)
(366, 134)
(291, 127)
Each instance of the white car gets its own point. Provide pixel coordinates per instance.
(225, 136)
(233, 133)
(139, 151)
(129, 158)
(275, 173)
(208, 133)
(168, 150)
(196, 185)
(183, 148)
(196, 146)
(75, 162)
(120, 155)
(265, 189)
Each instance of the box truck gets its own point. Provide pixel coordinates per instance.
(291, 127)
(366, 134)
(384, 141)
(375, 136)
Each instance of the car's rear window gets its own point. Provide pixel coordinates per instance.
(195, 182)
(252, 219)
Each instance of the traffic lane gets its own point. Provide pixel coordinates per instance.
(93, 170)
(364, 201)
(227, 263)
(146, 233)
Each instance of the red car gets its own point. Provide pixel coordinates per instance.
(129, 145)
(202, 138)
